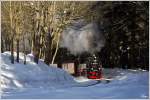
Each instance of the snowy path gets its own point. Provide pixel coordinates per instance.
(98, 91)
(132, 86)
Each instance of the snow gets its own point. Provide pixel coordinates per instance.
(82, 79)
(39, 81)
(18, 75)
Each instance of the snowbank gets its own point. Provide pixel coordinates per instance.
(33, 75)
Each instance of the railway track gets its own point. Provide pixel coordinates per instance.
(98, 81)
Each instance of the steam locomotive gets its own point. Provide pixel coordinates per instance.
(94, 67)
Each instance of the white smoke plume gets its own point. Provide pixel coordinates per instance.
(87, 38)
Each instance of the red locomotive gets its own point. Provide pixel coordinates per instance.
(94, 68)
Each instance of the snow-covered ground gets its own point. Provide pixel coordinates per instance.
(39, 81)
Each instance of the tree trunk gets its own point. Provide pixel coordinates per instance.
(24, 58)
(24, 50)
(36, 58)
(41, 48)
(36, 50)
(8, 44)
(36, 37)
(12, 51)
(32, 46)
(36, 44)
(56, 49)
(9, 47)
(48, 56)
(12, 38)
(17, 51)
(48, 50)
(2, 46)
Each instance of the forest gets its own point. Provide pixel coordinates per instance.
(37, 26)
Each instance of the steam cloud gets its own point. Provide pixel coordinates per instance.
(87, 38)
